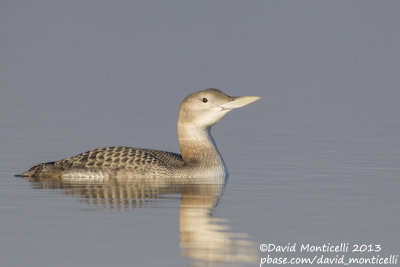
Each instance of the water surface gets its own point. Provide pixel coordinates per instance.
(315, 160)
(296, 183)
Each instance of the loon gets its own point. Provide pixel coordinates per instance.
(199, 154)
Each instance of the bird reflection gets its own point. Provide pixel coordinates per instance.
(204, 239)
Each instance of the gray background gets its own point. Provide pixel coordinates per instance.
(316, 158)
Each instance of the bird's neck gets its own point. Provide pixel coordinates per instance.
(198, 147)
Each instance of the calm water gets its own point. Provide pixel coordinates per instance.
(317, 181)
(316, 160)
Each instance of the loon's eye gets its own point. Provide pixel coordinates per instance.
(205, 100)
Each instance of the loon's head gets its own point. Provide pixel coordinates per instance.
(205, 108)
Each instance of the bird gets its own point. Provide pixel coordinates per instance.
(199, 158)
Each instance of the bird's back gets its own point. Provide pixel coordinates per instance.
(110, 159)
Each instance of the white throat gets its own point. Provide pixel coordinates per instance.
(198, 149)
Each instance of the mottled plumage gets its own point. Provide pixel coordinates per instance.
(134, 160)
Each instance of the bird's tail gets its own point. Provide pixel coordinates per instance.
(38, 170)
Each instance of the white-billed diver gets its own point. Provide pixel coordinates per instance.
(199, 155)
